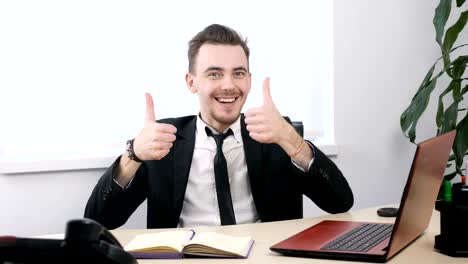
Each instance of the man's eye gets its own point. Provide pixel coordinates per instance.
(239, 74)
(214, 75)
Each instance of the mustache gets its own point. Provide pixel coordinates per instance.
(228, 94)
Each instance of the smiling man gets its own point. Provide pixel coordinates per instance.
(218, 167)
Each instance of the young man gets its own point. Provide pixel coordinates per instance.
(257, 171)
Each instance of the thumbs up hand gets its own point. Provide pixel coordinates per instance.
(155, 139)
(265, 123)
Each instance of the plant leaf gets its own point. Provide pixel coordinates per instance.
(426, 80)
(440, 113)
(450, 118)
(452, 33)
(461, 142)
(451, 36)
(441, 15)
(450, 176)
(451, 157)
(440, 109)
(460, 2)
(459, 66)
(405, 120)
(410, 117)
(414, 111)
(464, 90)
(456, 93)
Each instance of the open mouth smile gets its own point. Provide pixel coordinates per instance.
(226, 100)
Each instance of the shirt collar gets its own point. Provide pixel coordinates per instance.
(234, 126)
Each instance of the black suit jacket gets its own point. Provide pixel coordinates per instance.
(277, 185)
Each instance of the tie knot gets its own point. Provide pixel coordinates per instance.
(219, 138)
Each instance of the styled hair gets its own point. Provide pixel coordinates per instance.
(214, 34)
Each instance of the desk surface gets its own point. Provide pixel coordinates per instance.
(267, 234)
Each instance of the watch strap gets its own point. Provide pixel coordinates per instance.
(131, 152)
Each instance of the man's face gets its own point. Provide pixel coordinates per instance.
(222, 82)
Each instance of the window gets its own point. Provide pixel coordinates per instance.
(73, 74)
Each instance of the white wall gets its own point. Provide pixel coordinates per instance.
(382, 51)
(80, 56)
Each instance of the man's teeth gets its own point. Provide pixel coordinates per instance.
(226, 100)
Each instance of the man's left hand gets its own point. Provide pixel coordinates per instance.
(265, 123)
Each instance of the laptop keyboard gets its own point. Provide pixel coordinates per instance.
(361, 238)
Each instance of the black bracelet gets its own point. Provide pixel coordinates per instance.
(130, 152)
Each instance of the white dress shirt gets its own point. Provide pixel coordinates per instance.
(201, 203)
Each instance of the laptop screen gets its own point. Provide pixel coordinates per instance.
(421, 191)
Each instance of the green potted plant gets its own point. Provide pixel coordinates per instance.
(451, 110)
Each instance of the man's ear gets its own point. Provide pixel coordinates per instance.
(190, 82)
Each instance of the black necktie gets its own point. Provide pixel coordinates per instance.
(223, 190)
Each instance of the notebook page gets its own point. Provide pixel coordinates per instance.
(173, 239)
(222, 242)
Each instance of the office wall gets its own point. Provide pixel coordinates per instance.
(382, 51)
(77, 56)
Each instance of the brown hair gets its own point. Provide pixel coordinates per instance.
(214, 34)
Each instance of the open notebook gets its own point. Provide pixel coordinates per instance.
(186, 243)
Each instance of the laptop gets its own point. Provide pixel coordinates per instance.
(378, 242)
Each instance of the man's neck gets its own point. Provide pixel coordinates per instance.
(219, 127)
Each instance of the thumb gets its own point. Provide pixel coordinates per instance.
(149, 117)
(266, 92)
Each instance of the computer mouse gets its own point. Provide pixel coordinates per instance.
(387, 212)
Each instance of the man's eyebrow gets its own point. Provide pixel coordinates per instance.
(240, 68)
(214, 68)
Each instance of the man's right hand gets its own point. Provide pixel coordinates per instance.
(153, 143)
(155, 139)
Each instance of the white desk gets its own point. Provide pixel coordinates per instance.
(267, 234)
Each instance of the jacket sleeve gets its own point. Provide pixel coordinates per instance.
(326, 186)
(111, 205)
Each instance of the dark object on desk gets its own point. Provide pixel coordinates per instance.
(379, 242)
(86, 241)
(453, 236)
(387, 212)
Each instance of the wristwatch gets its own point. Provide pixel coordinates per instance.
(130, 152)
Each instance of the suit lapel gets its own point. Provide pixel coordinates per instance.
(183, 153)
(253, 157)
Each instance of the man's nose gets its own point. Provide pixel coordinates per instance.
(228, 83)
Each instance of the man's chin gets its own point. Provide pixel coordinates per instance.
(227, 120)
